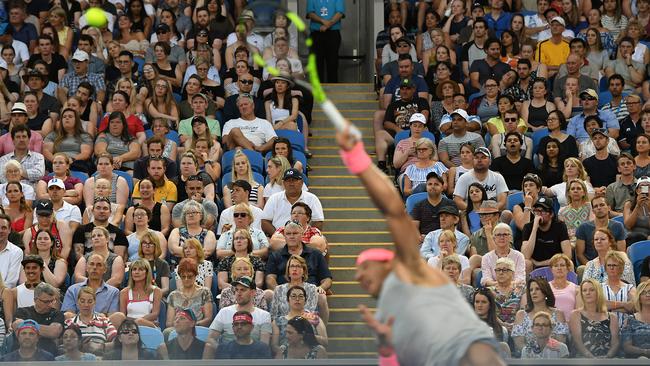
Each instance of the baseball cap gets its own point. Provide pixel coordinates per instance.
(292, 174)
(544, 203)
(460, 112)
(247, 14)
(589, 92)
(202, 96)
(80, 55)
(418, 117)
(559, 20)
(599, 131)
(32, 258)
(407, 83)
(645, 180)
(488, 207)
(56, 182)
(532, 177)
(28, 324)
(19, 107)
(162, 28)
(449, 209)
(186, 312)
(375, 254)
(476, 5)
(199, 119)
(44, 207)
(244, 281)
(244, 317)
(483, 150)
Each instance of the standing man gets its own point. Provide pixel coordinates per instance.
(325, 27)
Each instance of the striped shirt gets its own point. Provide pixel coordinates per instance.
(451, 145)
(621, 296)
(620, 111)
(419, 175)
(99, 328)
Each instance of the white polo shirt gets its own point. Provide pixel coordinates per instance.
(257, 131)
(278, 208)
(10, 265)
(227, 217)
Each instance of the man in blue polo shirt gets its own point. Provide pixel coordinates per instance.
(498, 19)
(589, 102)
(325, 27)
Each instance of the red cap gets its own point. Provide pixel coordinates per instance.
(375, 254)
(242, 318)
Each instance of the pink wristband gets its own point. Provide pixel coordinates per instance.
(388, 361)
(357, 160)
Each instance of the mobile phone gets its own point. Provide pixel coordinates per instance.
(645, 189)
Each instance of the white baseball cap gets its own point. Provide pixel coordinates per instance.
(80, 55)
(418, 117)
(56, 182)
(460, 112)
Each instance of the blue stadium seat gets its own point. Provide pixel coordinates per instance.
(256, 159)
(406, 134)
(263, 13)
(413, 199)
(227, 178)
(162, 316)
(151, 338)
(546, 273)
(537, 137)
(514, 199)
(172, 135)
(619, 219)
(638, 252)
(477, 279)
(296, 138)
(80, 175)
(201, 333)
(474, 96)
(129, 180)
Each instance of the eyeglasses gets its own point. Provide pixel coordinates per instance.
(147, 244)
(46, 301)
(140, 216)
(192, 212)
(129, 331)
(202, 34)
(246, 81)
(187, 277)
(510, 119)
(239, 214)
(295, 266)
(502, 270)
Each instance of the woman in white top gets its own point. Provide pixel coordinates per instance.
(447, 244)
(275, 169)
(389, 52)
(416, 173)
(573, 169)
(635, 31)
(140, 300)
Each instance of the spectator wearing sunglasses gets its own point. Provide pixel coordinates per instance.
(587, 147)
(589, 102)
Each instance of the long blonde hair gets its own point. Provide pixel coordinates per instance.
(148, 281)
(600, 297)
(249, 175)
(582, 173)
(283, 164)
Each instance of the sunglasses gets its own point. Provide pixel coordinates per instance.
(239, 214)
(587, 97)
(246, 81)
(161, 32)
(510, 119)
(129, 331)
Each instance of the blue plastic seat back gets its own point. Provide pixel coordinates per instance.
(256, 159)
(151, 338)
(638, 252)
(413, 199)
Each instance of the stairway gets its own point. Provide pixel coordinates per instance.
(352, 223)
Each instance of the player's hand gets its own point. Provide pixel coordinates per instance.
(346, 139)
(384, 331)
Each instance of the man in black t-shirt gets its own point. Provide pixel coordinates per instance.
(243, 347)
(81, 241)
(45, 314)
(513, 166)
(425, 212)
(544, 237)
(602, 166)
(56, 64)
(186, 346)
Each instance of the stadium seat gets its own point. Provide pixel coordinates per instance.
(413, 199)
(129, 180)
(80, 175)
(162, 316)
(514, 199)
(546, 273)
(537, 137)
(619, 219)
(227, 178)
(172, 135)
(638, 252)
(477, 279)
(256, 159)
(296, 138)
(263, 11)
(201, 333)
(406, 134)
(151, 338)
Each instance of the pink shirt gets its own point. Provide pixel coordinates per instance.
(7, 145)
(565, 299)
(489, 262)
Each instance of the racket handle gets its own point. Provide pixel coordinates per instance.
(337, 118)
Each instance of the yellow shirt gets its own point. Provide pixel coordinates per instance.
(164, 194)
(498, 123)
(551, 54)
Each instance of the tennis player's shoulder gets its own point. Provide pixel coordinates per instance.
(421, 274)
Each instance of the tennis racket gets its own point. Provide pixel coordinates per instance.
(312, 83)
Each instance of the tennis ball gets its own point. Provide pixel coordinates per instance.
(96, 17)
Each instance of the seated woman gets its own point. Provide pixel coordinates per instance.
(565, 291)
(452, 267)
(128, 344)
(242, 247)
(241, 169)
(140, 299)
(636, 212)
(18, 210)
(619, 295)
(231, 77)
(556, 123)
(275, 169)
(192, 249)
(119, 193)
(54, 268)
(282, 147)
(636, 330)
(486, 308)
(312, 236)
(594, 330)
(158, 216)
(282, 108)
(13, 173)
(35, 118)
(296, 274)
(190, 295)
(71, 339)
(141, 217)
(508, 294)
(192, 218)
(501, 240)
(244, 218)
(470, 220)
(202, 128)
(301, 341)
(241, 267)
(495, 125)
(160, 128)
(116, 140)
(161, 105)
(551, 169)
(427, 162)
(61, 165)
(296, 297)
(604, 242)
(96, 329)
(103, 189)
(573, 169)
(114, 263)
(207, 159)
(87, 111)
(539, 298)
(151, 251)
(541, 345)
(578, 209)
(447, 245)
(70, 138)
(123, 101)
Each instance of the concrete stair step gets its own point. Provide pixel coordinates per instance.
(361, 225)
(354, 104)
(353, 344)
(349, 329)
(358, 114)
(344, 300)
(330, 88)
(333, 180)
(345, 213)
(347, 273)
(350, 314)
(353, 95)
(328, 157)
(346, 260)
(347, 287)
(346, 201)
(355, 236)
(354, 248)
